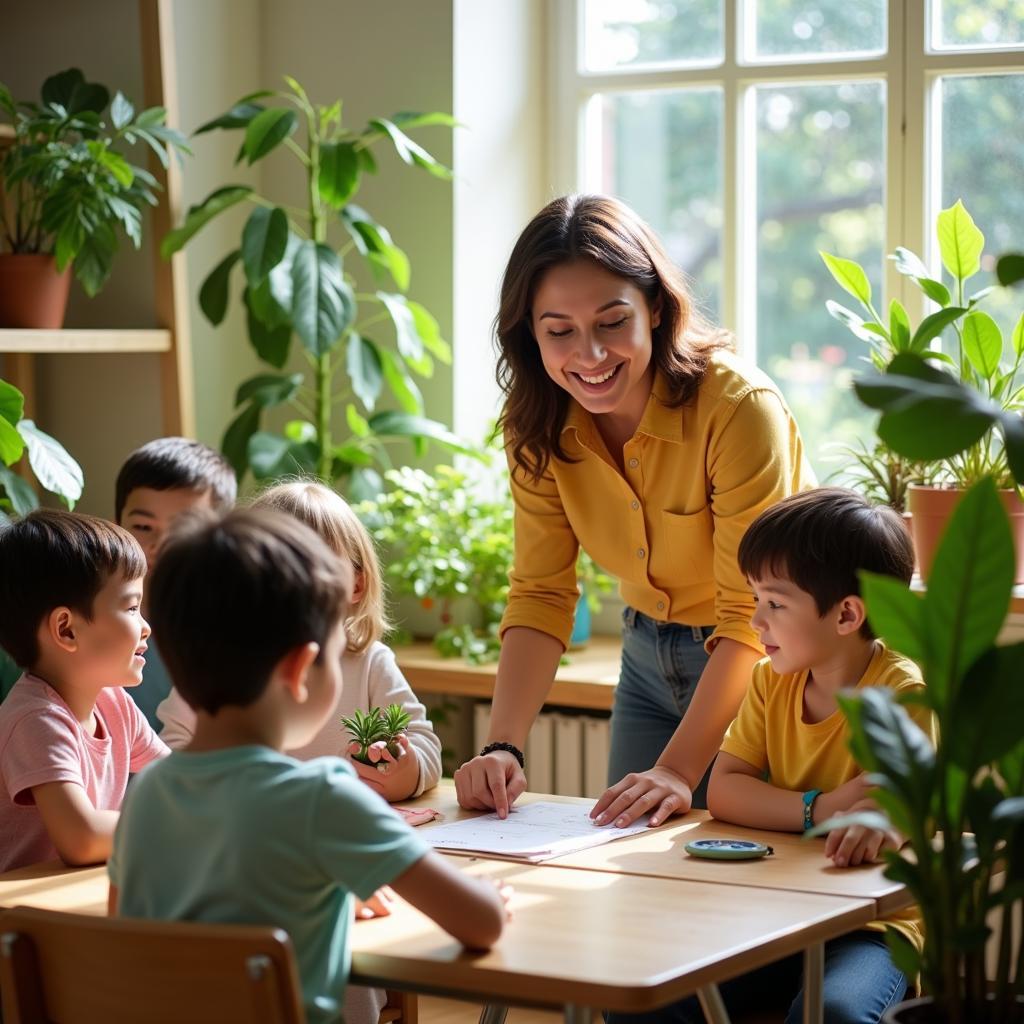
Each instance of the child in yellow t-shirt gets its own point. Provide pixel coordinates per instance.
(785, 762)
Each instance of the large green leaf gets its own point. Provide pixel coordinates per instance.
(213, 295)
(121, 110)
(983, 343)
(895, 614)
(989, 709)
(429, 332)
(1010, 268)
(414, 119)
(95, 258)
(323, 305)
(235, 444)
(411, 152)
(402, 424)
(403, 387)
(969, 588)
(363, 363)
(410, 344)
(934, 324)
(238, 116)
(373, 240)
(364, 485)
(264, 242)
(339, 172)
(271, 343)
(852, 321)
(23, 499)
(899, 326)
(12, 446)
(960, 241)
(269, 389)
(54, 468)
(849, 276)
(199, 216)
(272, 456)
(267, 130)
(12, 403)
(70, 90)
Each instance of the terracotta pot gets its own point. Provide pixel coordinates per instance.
(931, 508)
(32, 293)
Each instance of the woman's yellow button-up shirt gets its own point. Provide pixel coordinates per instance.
(669, 529)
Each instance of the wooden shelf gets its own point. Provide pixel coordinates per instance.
(1016, 600)
(588, 681)
(64, 342)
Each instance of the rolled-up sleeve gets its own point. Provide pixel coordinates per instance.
(542, 584)
(754, 460)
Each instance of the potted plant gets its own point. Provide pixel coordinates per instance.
(449, 543)
(974, 405)
(375, 731)
(296, 283)
(68, 191)
(960, 807)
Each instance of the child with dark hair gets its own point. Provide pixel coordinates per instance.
(157, 483)
(252, 611)
(785, 762)
(70, 616)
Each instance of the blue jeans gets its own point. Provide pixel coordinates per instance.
(861, 983)
(661, 665)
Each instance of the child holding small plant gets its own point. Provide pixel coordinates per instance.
(407, 760)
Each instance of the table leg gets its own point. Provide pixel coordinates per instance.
(493, 1013)
(814, 984)
(712, 1004)
(575, 1014)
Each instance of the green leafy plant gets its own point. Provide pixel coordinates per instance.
(973, 407)
(295, 283)
(376, 726)
(69, 185)
(960, 806)
(55, 470)
(881, 474)
(449, 536)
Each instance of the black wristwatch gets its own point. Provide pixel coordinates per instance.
(510, 747)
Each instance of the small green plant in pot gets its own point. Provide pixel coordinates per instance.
(376, 731)
(69, 191)
(296, 283)
(973, 395)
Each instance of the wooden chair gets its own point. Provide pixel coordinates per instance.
(401, 1008)
(58, 968)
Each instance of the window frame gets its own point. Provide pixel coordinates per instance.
(910, 71)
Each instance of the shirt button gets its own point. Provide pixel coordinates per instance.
(661, 606)
(640, 552)
(633, 463)
(634, 505)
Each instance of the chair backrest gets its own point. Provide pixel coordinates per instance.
(79, 969)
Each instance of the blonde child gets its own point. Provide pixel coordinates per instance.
(231, 829)
(372, 678)
(70, 616)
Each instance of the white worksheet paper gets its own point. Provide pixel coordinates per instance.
(535, 832)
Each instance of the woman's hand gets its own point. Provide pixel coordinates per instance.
(491, 782)
(394, 778)
(659, 791)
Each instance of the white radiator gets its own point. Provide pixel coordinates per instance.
(565, 754)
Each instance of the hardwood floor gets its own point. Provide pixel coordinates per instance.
(450, 1011)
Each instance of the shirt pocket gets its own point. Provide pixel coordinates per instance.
(688, 544)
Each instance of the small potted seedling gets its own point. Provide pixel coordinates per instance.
(375, 735)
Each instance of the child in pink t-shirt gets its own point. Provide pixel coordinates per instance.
(70, 595)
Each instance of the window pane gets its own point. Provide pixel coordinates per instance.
(982, 156)
(818, 28)
(641, 33)
(820, 173)
(661, 152)
(969, 24)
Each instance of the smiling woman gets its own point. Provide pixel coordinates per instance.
(631, 429)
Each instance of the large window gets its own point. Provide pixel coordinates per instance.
(753, 133)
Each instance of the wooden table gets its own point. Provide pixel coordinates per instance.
(797, 865)
(579, 940)
(588, 681)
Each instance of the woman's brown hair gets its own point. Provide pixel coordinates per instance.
(609, 233)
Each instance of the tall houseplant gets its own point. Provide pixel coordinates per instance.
(296, 283)
(973, 396)
(69, 189)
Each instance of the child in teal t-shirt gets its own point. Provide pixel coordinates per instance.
(251, 610)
